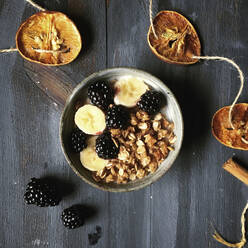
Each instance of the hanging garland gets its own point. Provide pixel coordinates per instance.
(174, 40)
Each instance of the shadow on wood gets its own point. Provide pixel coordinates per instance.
(63, 187)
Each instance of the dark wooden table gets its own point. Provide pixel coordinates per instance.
(177, 211)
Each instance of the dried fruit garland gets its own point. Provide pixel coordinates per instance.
(48, 38)
(173, 39)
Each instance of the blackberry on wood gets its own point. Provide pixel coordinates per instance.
(78, 140)
(72, 217)
(150, 102)
(117, 117)
(106, 146)
(100, 94)
(41, 193)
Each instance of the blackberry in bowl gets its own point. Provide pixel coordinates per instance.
(150, 102)
(117, 117)
(78, 140)
(100, 94)
(106, 146)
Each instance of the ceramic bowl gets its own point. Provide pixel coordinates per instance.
(171, 110)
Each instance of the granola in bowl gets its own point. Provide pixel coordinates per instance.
(144, 145)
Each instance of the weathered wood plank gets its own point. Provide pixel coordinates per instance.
(130, 212)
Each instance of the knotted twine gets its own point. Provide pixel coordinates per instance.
(9, 50)
(241, 75)
(242, 242)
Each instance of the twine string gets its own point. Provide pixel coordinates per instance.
(151, 21)
(10, 50)
(241, 76)
(35, 5)
(242, 242)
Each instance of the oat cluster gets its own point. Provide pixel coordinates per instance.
(143, 147)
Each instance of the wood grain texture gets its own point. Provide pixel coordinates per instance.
(177, 211)
(52, 81)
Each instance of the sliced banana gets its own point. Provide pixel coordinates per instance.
(129, 90)
(90, 119)
(90, 159)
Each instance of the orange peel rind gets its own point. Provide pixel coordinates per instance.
(177, 39)
(48, 38)
(235, 138)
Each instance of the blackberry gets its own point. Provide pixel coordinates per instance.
(78, 140)
(150, 102)
(72, 217)
(100, 94)
(41, 193)
(117, 117)
(106, 146)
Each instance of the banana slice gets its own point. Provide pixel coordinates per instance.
(90, 119)
(129, 90)
(90, 159)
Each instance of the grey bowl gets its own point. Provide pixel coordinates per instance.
(79, 94)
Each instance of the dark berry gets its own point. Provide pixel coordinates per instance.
(41, 193)
(78, 140)
(100, 94)
(117, 117)
(106, 146)
(72, 217)
(150, 102)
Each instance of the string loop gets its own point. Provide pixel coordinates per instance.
(241, 76)
(151, 21)
(242, 242)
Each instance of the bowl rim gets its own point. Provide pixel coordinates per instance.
(62, 118)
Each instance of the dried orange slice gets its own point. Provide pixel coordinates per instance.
(225, 134)
(177, 39)
(49, 38)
